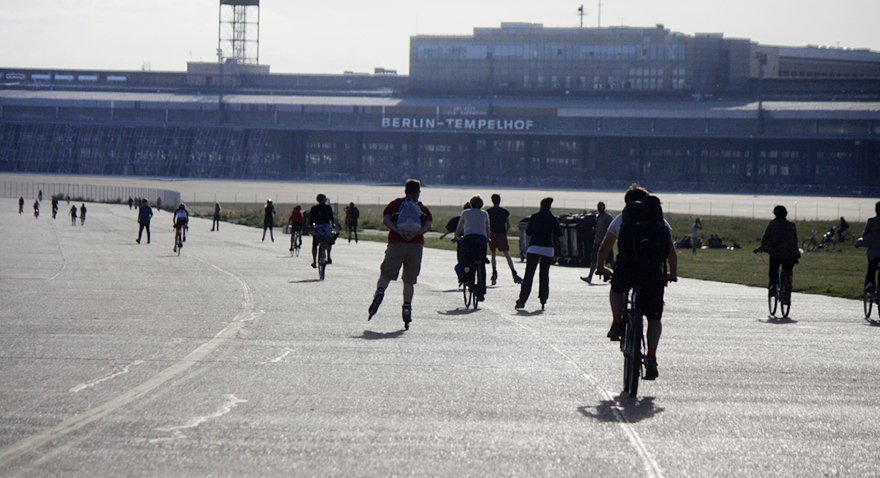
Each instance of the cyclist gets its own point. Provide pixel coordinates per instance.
(871, 240)
(781, 243)
(54, 206)
(632, 268)
(499, 224)
(296, 221)
(473, 231)
(180, 221)
(323, 219)
(36, 209)
(841, 228)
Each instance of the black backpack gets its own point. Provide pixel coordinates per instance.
(644, 240)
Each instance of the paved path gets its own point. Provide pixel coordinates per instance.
(233, 191)
(233, 360)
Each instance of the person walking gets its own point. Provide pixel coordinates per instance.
(130, 203)
(145, 214)
(73, 215)
(268, 219)
(20, 205)
(352, 214)
(603, 220)
(407, 220)
(543, 228)
(215, 224)
(54, 206)
(36, 209)
(499, 225)
(82, 214)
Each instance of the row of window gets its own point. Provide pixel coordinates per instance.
(548, 51)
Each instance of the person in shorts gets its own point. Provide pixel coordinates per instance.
(499, 224)
(406, 240)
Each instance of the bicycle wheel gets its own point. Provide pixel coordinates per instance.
(785, 295)
(179, 242)
(297, 244)
(480, 284)
(772, 303)
(322, 260)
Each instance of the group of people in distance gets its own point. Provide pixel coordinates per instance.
(74, 211)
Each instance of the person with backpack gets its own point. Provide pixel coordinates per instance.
(644, 249)
(407, 220)
(543, 228)
(352, 214)
(781, 243)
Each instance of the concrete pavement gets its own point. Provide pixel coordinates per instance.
(234, 360)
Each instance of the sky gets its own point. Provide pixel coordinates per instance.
(333, 36)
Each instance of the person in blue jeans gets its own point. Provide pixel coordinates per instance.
(543, 228)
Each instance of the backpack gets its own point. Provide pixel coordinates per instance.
(644, 241)
(409, 216)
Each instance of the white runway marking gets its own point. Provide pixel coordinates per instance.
(177, 432)
(287, 352)
(74, 423)
(117, 371)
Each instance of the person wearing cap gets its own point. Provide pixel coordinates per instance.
(322, 219)
(407, 220)
(268, 219)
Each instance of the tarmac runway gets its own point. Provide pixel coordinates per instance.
(120, 359)
(292, 192)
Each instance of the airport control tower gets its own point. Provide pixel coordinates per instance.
(239, 31)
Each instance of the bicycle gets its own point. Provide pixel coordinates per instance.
(780, 297)
(178, 239)
(295, 242)
(633, 343)
(474, 284)
(324, 243)
(870, 297)
(814, 245)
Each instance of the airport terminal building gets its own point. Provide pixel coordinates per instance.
(519, 105)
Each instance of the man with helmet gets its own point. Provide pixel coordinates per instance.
(180, 221)
(322, 219)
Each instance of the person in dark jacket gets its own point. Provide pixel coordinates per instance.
(145, 213)
(215, 224)
(269, 219)
(781, 243)
(543, 228)
(871, 239)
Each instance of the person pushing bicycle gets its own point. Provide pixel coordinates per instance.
(781, 243)
(181, 223)
(645, 249)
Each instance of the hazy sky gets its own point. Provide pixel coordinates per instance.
(331, 36)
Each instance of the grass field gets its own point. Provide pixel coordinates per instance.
(839, 274)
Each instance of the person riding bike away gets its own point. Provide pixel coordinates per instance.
(473, 231)
(296, 221)
(871, 240)
(781, 243)
(645, 249)
(180, 222)
(322, 218)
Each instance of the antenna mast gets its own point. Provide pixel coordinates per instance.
(581, 14)
(239, 34)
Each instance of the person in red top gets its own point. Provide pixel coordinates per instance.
(407, 220)
(296, 222)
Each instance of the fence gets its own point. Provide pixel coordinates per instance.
(86, 192)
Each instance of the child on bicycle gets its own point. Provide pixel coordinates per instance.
(781, 243)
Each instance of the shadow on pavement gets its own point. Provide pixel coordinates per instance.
(633, 409)
(457, 311)
(778, 321)
(370, 335)
(526, 313)
(303, 281)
